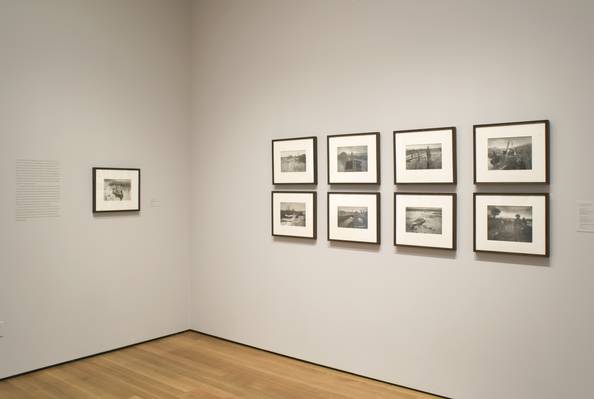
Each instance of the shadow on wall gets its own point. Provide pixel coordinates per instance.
(355, 246)
(114, 215)
(426, 252)
(295, 240)
(518, 260)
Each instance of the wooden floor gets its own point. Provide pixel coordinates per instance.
(191, 365)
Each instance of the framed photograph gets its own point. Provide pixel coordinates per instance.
(425, 220)
(425, 156)
(294, 214)
(511, 223)
(116, 190)
(515, 152)
(354, 158)
(354, 217)
(295, 161)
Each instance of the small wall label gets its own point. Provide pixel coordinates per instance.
(585, 210)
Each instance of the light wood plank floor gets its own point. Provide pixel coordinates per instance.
(190, 366)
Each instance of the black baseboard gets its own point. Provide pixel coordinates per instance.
(93, 355)
(227, 340)
(319, 365)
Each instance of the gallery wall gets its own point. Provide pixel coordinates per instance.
(93, 83)
(454, 323)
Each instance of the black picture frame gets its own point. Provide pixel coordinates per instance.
(454, 154)
(454, 231)
(547, 166)
(315, 214)
(377, 163)
(378, 216)
(315, 162)
(547, 223)
(94, 194)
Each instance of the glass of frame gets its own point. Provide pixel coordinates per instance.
(294, 214)
(425, 156)
(295, 161)
(425, 220)
(516, 152)
(511, 223)
(116, 190)
(354, 158)
(354, 217)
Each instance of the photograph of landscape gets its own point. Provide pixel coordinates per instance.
(509, 223)
(425, 220)
(510, 153)
(423, 156)
(293, 161)
(292, 214)
(352, 158)
(117, 189)
(353, 217)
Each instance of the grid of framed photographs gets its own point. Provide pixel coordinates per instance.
(294, 162)
(512, 223)
(425, 157)
(511, 153)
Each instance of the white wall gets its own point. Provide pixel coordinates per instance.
(93, 83)
(466, 326)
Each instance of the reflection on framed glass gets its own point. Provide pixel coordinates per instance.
(295, 161)
(515, 152)
(425, 220)
(294, 214)
(354, 159)
(425, 156)
(354, 217)
(116, 190)
(511, 223)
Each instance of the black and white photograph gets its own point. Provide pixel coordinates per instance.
(294, 214)
(354, 217)
(425, 220)
(295, 161)
(511, 223)
(516, 152)
(353, 158)
(425, 156)
(510, 153)
(116, 190)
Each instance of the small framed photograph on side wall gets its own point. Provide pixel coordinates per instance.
(116, 190)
